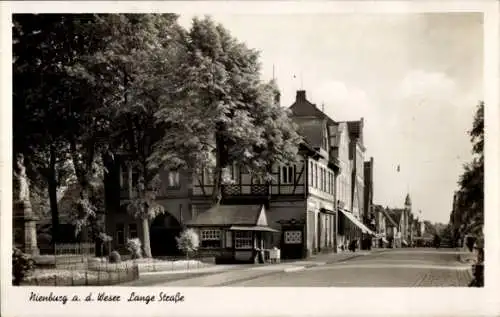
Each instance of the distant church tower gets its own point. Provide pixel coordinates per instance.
(408, 202)
(407, 213)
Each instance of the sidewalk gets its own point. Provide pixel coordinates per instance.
(467, 257)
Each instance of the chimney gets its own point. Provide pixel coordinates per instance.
(301, 95)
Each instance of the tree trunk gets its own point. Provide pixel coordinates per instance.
(52, 188)
(219, 164)
(83, 173)
(146, 243)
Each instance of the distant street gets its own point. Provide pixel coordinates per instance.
(391, 268)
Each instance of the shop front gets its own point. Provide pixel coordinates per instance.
(363, 232)
(234, 233)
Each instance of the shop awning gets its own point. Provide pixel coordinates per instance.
(356, 222)
(253, 228)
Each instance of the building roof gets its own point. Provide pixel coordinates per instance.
(355, 129)
(227, 215)
(396, 214)
(389, 217)
(304, 108)
(311, 130)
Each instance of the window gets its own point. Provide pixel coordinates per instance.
(311, 174)
(193, 212)
(123, 176)
(132, 230)
(210, 238)
(234, 173)
(328, 181)
(135, 177)
(323, 179)
(287, 174)
(320, 178)
(173, 179)
(243, 239)
(120, 233)
(293, 237)
(332, 183)
(316, 175)
(325, 140)
(257, 180)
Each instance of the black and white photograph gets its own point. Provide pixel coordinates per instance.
(163, 150)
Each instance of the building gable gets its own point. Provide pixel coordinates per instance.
(262, 218)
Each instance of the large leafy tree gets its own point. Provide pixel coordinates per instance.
(138, 67)
(225, 114)
(42, 46)
(468, 214)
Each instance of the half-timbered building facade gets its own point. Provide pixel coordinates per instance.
(299, 199)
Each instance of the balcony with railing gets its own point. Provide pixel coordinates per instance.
(252, 190)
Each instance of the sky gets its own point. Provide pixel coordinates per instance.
(416, 79)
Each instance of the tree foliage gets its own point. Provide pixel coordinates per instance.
(42, 46)
(468, 214)
(225, 114)
(188, 241)
(137, 68)
(89, 88)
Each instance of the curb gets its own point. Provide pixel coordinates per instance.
(139, 283)
(294, 269)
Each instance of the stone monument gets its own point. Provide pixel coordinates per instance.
(24, 223)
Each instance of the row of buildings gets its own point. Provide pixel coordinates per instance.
(321, 204)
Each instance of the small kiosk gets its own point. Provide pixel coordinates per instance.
(235, 233)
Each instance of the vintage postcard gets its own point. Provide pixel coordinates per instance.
(250, 158)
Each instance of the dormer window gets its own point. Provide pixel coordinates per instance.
(325, 141)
